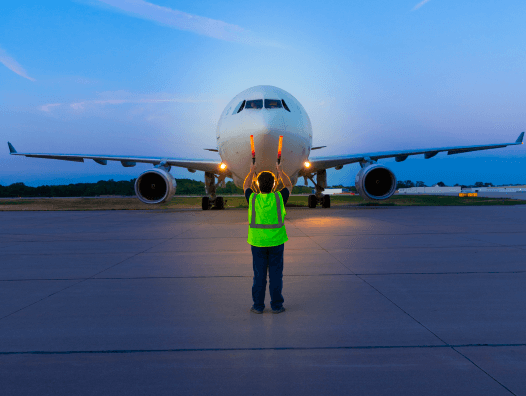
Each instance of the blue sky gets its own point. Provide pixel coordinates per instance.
(141, 78)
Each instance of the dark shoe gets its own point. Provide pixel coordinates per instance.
(257, 311)
(279, 310)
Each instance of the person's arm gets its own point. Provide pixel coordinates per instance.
(250, 178)
(284, 178)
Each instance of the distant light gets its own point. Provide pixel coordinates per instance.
(306, 164)
(222, 166)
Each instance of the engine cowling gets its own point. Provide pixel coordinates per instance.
(375, 182)
(155, 186)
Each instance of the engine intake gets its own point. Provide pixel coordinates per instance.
(155, 186)
(375, 182)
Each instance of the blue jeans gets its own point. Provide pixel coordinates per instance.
(270, 258)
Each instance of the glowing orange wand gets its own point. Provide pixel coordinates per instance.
(253, 149)
(280, 145)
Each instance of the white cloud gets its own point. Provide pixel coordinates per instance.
(47, 108)
(13, 65)
(184, 21)
(420, 5)
(118, 98)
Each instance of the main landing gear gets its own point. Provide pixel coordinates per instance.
(324, 201)
(207, 203)
(211, 201)
(320, 184)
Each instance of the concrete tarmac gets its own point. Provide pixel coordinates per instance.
(380, 301)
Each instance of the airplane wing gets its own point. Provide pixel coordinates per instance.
(319, 163)
(128, 161)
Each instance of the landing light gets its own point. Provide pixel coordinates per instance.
(222, 166)
(306, 164)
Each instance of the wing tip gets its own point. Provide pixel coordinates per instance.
(11, 148)
(520, 138)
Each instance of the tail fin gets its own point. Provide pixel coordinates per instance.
(519, 139)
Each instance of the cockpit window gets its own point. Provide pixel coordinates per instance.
(272, 104)
(285, 105)
(254, 104)
(239, 107)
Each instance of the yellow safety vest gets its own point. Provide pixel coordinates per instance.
(266, 220)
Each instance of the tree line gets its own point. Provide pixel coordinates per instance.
(184, 187)
(122, 188)
(410, 184)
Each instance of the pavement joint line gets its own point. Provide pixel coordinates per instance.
(250, 276)
(382, 294)
(500, 244)
(350, 347)
(322, 248)
(83, 280)
(484, 371)
(436, 335)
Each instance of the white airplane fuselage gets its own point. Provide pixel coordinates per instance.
(266, 124)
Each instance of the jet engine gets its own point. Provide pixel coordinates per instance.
(155, 186)
(375, 182)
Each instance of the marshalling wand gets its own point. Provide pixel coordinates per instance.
(253, 149)
(280, 145)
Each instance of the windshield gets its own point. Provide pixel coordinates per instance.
(254, 104)
(272, 104)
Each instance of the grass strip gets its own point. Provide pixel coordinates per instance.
(44, 204)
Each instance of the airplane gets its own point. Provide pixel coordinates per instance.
(266, 112)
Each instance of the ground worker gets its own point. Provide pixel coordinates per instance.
(267, 235)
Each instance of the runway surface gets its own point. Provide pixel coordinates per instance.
(380, 301)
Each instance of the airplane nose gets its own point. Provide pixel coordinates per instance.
(267, 129)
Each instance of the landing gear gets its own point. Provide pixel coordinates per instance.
(325, 201)
(320, 184)
(205, 203)
(218, 203)
(211, 201)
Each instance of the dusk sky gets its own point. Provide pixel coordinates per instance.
(130, 77)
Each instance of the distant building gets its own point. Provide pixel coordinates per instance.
(458, 189)
(430, 190)
(332, 191)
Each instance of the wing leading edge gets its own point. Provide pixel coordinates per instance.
(319, 163)
(129, 161)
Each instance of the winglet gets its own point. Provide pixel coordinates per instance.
(13, 151)
(519, 139)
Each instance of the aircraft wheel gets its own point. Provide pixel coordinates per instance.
(205, 203)
(220, 203)
(326, 201)
(312, 201)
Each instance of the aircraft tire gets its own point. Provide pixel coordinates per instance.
(220, 203)
(326, 201)
(205, 203)
(312, 201)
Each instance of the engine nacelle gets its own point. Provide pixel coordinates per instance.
(375, 182)
(155, 186)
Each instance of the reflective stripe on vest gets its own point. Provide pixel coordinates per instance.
(253, 219)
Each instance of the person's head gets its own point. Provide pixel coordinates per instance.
(266, 182)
